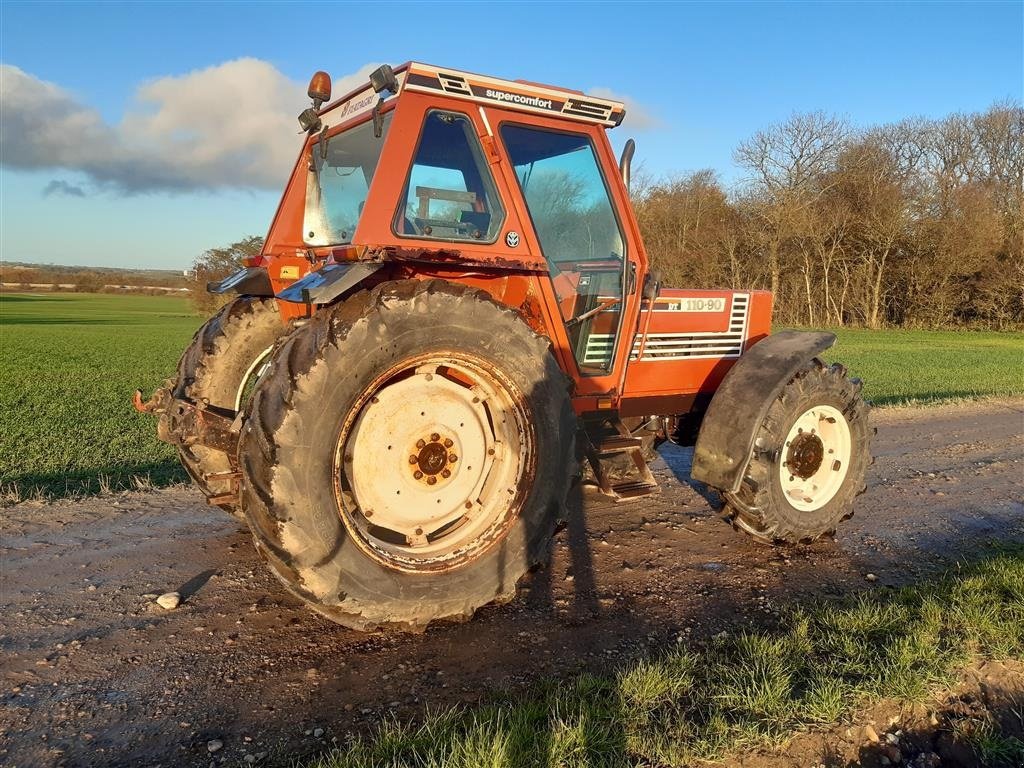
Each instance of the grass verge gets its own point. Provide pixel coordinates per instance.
(751, 689)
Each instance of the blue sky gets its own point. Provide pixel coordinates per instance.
(702, 77)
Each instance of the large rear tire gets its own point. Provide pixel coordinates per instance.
(408, 456)
(220, 368)
(809, 460)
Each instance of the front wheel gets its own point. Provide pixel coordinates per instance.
(809, 459)
(408, 455)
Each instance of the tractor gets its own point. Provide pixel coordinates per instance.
(452, 325)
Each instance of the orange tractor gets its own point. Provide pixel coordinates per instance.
(453, 314)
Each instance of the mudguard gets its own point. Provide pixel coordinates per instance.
(248, 281)
(329, 282)
(727, 433)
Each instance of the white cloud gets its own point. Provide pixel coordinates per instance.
(637, 117)
(230, 125)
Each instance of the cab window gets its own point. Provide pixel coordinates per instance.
(449, 193)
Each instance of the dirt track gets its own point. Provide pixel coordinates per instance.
(95, 674)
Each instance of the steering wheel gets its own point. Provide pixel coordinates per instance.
(601, 307)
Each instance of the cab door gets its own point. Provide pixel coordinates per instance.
(569, 202)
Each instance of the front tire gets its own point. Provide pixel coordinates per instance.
(809, 460)
(408, 456)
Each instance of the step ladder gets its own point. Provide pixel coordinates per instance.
(599, 443)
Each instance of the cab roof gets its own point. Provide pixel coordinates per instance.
(518, 95)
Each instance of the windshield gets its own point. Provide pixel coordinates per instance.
(337, 185)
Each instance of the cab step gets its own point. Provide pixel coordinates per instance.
(612, 437)
(618, 444)
(634, 489)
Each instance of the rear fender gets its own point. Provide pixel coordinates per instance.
(730, 425)
(328, 283)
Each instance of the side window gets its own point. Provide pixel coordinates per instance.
(573, 217)
(449, 194)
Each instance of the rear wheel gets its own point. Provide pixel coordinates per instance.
(809, 460)
(220, 367)
(408, 456)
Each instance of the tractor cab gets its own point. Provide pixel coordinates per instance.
(447, 170)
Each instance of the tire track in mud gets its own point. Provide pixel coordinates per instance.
(93, 673)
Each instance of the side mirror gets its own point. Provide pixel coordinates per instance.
(652, 285)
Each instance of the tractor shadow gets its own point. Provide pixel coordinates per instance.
(679, 460)
(592, 610)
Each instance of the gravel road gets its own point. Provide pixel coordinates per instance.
(95, 673)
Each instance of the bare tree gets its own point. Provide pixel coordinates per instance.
(920, 222)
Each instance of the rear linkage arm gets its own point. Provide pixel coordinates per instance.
(184, 423)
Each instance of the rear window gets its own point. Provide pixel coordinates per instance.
(449, 193)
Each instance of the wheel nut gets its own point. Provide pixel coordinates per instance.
(419, 531)
(452, 458)
(420, 443)
(448, 443)
(469, 505)
(413, 459)
(431, 480)
(490, 451)
(434, 437)
(417, 474)
(348, 458)
(445, 473)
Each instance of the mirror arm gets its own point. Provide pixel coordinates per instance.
(626, 160)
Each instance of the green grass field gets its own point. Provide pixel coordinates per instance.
(68, 366)
(70, 362)
(901, 367)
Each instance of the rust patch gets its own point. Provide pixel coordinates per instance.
(451, 256)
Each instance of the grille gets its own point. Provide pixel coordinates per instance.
(680, 346)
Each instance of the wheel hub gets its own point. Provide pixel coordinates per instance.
(434, 458)
(805, 454)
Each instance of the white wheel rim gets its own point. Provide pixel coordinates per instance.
(815, 458)
(253, 374)
(429, 472)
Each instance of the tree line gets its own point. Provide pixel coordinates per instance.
(18, 276)
(918, 223)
